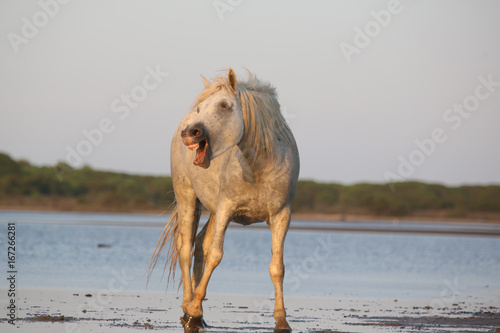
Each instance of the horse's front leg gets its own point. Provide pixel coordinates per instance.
(279, 226)
(189, 217)
(212, 260)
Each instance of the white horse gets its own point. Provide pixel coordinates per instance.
(234, 154)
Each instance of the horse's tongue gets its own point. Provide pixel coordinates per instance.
(201, 158)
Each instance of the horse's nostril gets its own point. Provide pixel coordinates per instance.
(196, 132)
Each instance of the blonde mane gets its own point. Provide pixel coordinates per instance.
(264, 124)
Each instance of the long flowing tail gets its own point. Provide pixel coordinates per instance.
(170, 234)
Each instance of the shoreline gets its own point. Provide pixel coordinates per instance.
(491, 218)
(486, 218)
(76, 310)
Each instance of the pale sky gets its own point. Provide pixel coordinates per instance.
(371, 89)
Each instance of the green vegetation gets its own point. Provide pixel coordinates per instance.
(397, 199)
(63, 188)
(23, 185)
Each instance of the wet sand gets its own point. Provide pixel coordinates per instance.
(44, 310)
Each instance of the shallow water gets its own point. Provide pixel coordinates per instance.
(106, 251)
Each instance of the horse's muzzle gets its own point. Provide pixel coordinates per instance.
(195, 138)
(193, 132)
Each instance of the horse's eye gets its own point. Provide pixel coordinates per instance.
(224, 105)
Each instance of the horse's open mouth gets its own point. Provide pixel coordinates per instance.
(202, 158)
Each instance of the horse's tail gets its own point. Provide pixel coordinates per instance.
(170, 234)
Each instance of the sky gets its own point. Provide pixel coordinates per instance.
(374, 91)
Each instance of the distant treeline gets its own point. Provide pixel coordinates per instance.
(63, 188)
(397, 199)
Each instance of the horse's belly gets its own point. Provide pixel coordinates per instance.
(226, 181)
(245, 220)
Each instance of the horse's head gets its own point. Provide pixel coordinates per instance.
(217, 121)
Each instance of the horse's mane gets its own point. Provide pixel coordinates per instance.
(264, 124)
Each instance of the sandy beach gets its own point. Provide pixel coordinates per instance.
(46, 310)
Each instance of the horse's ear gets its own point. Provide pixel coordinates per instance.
(205, 81)
(231, 78)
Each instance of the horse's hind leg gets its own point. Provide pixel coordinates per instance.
(279, 226)
(199, 258)
(202, 243)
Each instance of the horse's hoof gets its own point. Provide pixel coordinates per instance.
(282, 330)
(193, 324)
